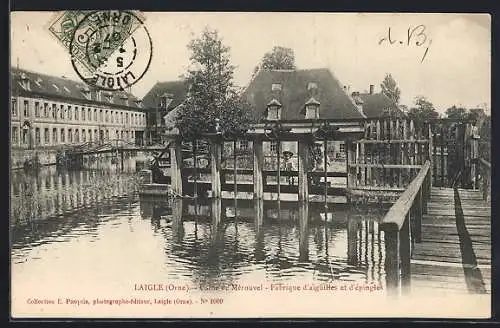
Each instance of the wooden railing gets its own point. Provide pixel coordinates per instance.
(402, 226)
(484, 169)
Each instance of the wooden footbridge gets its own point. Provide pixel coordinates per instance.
(438, 228)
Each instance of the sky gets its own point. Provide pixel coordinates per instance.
(456, 69)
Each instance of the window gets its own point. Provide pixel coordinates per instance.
(342, 148)
(312, 109)
(276, 87)
(243, 145)
(121, 117)
(37, 136)
(107, 134)
(14, 107)
(90, 135)
(77, 135)
(100, 116)
(95, 114)
(84, 136)
(126, 118)
(25, 136)
(274, 146)
(121, 134)
(45, 110)
(111, 117)
(96, 137)
(89, 114)
(37, 109)
(70, 113)
(83, 114)
(117, 134)
(62, 111)
(126, 135)
(26, 111)
(62, 136)
(106, 116)
(15, 135)
(46, 136)
(54, 136)
(77, 114)
(70, 135)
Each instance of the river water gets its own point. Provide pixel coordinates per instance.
(74, 231)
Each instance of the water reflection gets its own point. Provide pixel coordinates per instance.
(207, 242)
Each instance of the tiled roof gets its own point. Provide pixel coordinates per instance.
(378, 104)
(60, 87)
(335, 103)
(177, 88)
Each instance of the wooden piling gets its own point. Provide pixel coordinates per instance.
(215, 152)
(258, 164)
(392, 261)
(303, 181)
(176, 166)
(405, 256)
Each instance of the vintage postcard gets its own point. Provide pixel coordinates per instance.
(250, 165)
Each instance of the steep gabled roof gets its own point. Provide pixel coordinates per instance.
(177, 88)
(335, 102)
(60, 87)
(378, 105)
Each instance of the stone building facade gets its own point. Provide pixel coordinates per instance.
(48, 111)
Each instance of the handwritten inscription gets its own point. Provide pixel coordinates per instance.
(415, 36)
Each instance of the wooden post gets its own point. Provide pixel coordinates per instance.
(352, 241)
(392, 252)
(195, 171)
(325, 174)
(258, 163)
(304, 235)
(216, 167)
(418, 215)
(303, 181)
(431, 159)
(176, 167)
(405, 254)
(279, 170)
(235, 180)
(351, 171)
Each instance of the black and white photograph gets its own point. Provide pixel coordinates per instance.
(249, 165)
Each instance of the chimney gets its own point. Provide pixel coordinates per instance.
(371, 88)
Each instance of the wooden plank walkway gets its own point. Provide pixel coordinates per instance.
(455, 253)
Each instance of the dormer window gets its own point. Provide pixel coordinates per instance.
(109, 96)
(276, 87)
(138, 102)
(274, 110)
(55, 87)
(124, 98)
(86, 92)
(25, 81)
(312, 109)
(39, 81)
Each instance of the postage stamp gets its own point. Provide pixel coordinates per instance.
(109, 49)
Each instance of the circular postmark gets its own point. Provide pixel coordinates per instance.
(111, 50)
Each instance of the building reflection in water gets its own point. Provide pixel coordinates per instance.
(218, 240)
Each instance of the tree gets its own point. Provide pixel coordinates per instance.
(213, 102)
(278, 58)
(423, 111)
(390, 88)
(455, 112)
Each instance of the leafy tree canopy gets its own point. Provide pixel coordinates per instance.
(213, 102)
(278, 58)
(423, 110)
(390, 88)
